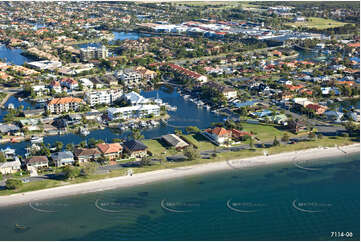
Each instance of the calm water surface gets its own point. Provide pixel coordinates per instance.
(252, 204)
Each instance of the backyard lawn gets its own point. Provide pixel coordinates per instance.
(154, 146)
(200, 141)
(265, 132)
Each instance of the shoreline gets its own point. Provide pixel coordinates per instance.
(173, 173)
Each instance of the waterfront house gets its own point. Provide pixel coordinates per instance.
(63, 158)
(134, 98)
(138, 111)
(135, 148)
(37, 162)
(65, 104)
(12, 163)
(111, 151)
(39, 90)
(218, 135)
(33, 112)
(9, 167)
(85, 155)
(174, 141)
(9, 129)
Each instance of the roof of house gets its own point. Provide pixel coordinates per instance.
(63, 155)
(86, 152)
(109, 148)
(134, 145)
(219, 131)
(174, 140)
(237, 133)
(37, 159)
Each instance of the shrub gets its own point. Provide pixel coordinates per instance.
(13, 184)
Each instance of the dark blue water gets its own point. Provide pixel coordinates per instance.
(12, 55)
(195, 208)
(17, 104)
(187, 114)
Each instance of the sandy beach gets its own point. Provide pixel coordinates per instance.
(165, 174)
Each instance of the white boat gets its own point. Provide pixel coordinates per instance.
(186, 97)
(84, 132)
(11, 106)
(36, 140)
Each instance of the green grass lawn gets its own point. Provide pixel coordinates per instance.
(325, 142)
(200, 141)
(318, 23)
(154, 146)
(265, 132)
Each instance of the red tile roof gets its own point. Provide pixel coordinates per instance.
(109, 148)
(65, 100)
(219, 131)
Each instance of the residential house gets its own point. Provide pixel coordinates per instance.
(39, 90)
(333, 115)
(111, 151)
(85, 82)
(63, 158)
(218, 135)
(134, 98)
(145, 73)
(10, 167)
(69, 83)
(37, 162)
(296, 126)
(135, 148)
(319, 109)
(175, 141)
(240, 135)
(55, 85)
(12, 163)
(85, 155)
(9, 129)
(110, 80)
(33, 112)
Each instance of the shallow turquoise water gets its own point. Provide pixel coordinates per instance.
(260, 207)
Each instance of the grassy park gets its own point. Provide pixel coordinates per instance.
(318, 23)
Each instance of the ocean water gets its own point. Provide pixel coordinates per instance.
(303, 201)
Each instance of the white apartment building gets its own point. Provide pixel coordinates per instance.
(90, 53)
(65, 104)
(102, 97)
(129, 77)
(137, 111)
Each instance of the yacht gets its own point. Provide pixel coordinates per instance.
(36, 140)
(84, 132)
